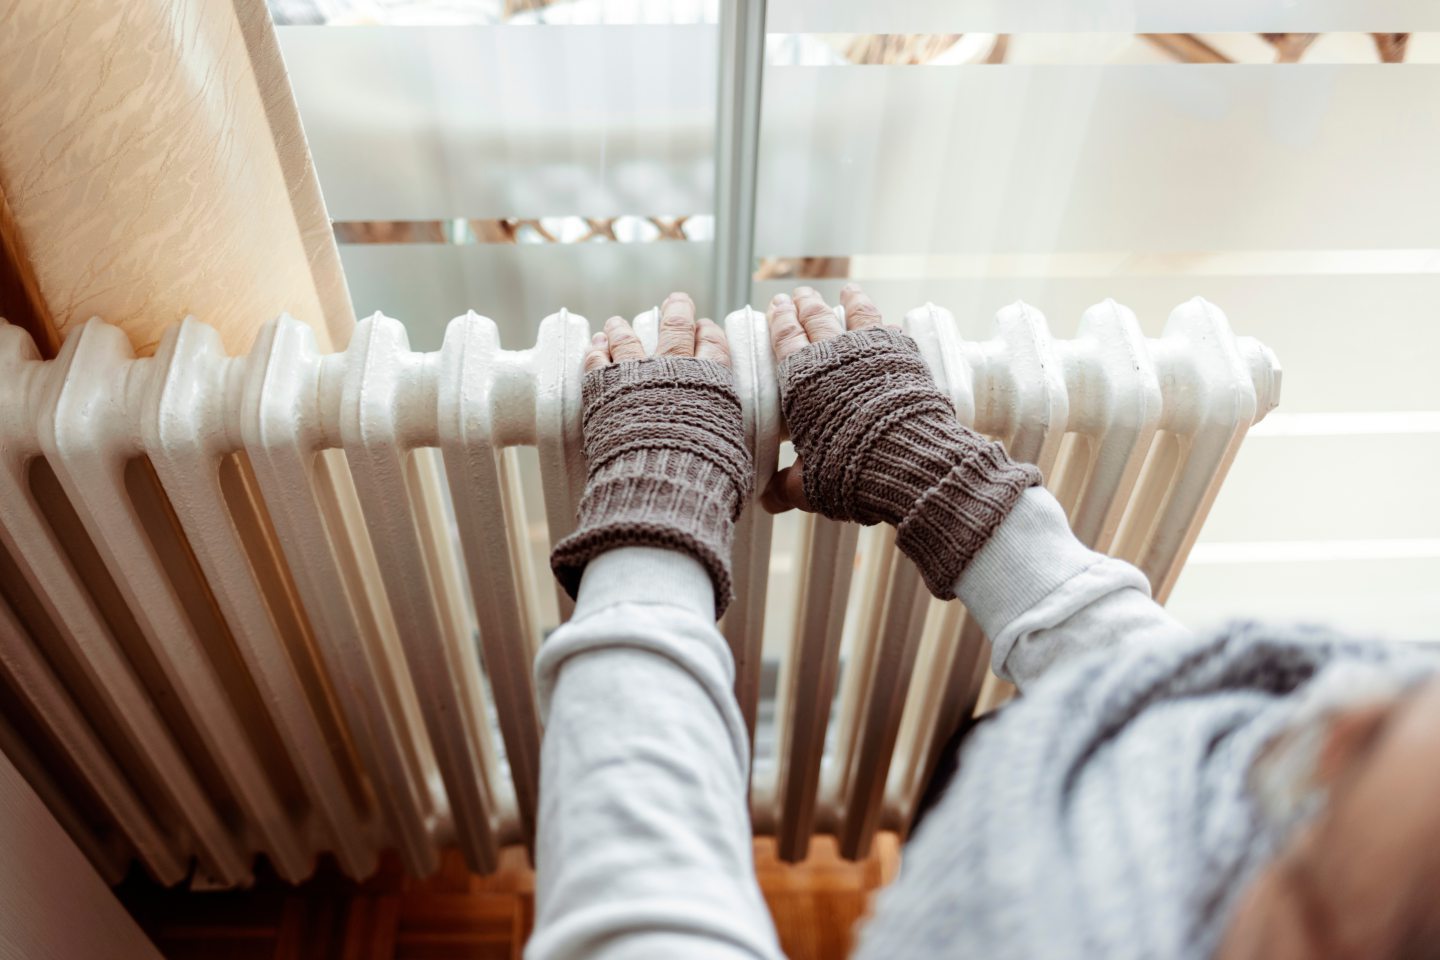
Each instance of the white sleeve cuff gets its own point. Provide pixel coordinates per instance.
(1031, 554)
(646, 575)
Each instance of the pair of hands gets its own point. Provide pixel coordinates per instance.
(795, 321)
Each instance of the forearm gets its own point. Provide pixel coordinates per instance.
(644, 842)
(1045, 599)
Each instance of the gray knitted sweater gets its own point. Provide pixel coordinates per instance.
(1107, 813)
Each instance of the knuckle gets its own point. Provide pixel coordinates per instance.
(675, 321)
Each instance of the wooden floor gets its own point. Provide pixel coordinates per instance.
(455, 914)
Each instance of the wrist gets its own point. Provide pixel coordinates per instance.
(647, 575)
(881, 443)
(655, 498)
(668, 465)
(953, 519)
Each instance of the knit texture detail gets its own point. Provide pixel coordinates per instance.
(881, 444)
(668, 466)
(1111, 810)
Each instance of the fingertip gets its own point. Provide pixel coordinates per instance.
(860, 310)
(710, 342)
(624, 344)
(598, 355)
(785, 491)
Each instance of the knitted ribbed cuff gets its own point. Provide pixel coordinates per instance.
(880, 443)
(953, 519)
(668, 466)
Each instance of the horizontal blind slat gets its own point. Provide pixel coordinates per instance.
(1140, 16)
(422, 123)
(1153, 158)
(1329, 488)
(1394, 599)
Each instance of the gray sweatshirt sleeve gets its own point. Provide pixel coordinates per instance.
(1044, 598)
(643, 845)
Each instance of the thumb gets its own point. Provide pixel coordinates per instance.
(785, 490)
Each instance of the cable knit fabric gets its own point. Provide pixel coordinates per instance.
(668, 466)
(880, 443)
(1110, 812)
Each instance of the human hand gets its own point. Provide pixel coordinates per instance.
(665, 445)
(878, 442)
(795, 323)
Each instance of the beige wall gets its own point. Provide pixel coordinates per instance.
(153, 166)
(53, 905)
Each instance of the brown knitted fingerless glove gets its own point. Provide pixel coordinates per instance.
(668, 466)
(880, 442)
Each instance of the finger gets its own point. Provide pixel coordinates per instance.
(785, 490)
(819, 321)
(860, 310)
(624, 345)
(598, 353)
(786, 334)
(677, 327)
(710, 342)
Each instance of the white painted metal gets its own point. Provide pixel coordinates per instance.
(744, 624)
(230, 610)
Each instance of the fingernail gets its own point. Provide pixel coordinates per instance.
(598, 339)
(850, 288)
(780, 298)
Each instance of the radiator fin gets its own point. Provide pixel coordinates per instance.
(287, 603)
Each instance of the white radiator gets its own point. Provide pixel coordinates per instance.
(242, 611)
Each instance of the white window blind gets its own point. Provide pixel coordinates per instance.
(1078, 160)
(1049, 151)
